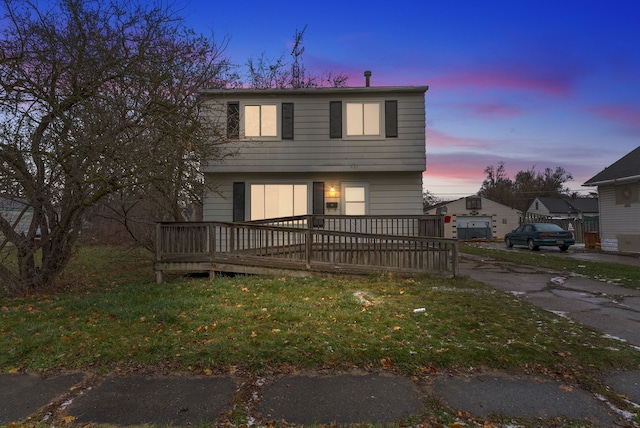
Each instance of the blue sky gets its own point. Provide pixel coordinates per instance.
(528, 83)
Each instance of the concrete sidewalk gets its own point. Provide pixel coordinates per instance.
(181, 399)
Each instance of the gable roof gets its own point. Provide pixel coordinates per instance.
(626, 168)
(444, 203)
(569, 205)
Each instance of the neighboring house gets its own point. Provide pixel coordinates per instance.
(565, 207)
(346, 151)
(16, 213)
(619, 196)
(475, 217)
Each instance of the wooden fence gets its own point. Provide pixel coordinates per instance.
(297, 247)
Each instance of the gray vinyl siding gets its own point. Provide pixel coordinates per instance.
(312, 150)
(616, 219)
(389, 193)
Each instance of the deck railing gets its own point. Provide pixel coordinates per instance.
(299, 245)
(407, 225)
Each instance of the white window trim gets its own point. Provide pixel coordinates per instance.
(381, 120)
(278, 106)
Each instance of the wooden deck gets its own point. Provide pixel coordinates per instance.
(308, 245)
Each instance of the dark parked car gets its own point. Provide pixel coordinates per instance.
(535, 235)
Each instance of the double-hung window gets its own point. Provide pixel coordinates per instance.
(261, 120)
(355, 198)
(258, 120)
(363, 119)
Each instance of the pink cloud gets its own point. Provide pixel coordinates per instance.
(487, 110)
(624, 115)
(439, 139)
(462, 173)
(496, 110)
(556, 81)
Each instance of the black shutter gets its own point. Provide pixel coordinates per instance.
(233, 120)
(391, 118)
(318, 203)
(335, 119)
(238, 201)
(287, 121)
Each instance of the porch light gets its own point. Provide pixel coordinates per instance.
(332, 192)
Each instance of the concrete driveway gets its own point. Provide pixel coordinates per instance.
(610, 308)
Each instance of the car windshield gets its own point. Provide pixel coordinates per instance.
(549, 227)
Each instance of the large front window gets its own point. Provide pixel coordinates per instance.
(278, 200)
(363, 119)
(261, 120)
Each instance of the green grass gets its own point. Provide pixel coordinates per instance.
(120, 318)
(114, 317)
(624, 275)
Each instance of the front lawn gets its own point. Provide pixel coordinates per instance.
(115, 316)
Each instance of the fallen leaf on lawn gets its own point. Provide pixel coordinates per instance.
(396, 328)
(68, 419)
(254, 334)
(208, 372)
(386, 362)
(275, 330)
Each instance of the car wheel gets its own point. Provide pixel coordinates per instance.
(531, 245)
(508, 243)
(564, 247)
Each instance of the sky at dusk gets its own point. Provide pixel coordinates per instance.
(535, 84)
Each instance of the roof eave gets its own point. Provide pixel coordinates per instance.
(301, 91)
(612, 181)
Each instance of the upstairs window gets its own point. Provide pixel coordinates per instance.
(261, 120)
(363, 119)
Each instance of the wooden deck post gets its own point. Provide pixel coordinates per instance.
(308, 241)
(454, 262)
(159, 278)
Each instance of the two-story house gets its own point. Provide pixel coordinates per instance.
(343, 151)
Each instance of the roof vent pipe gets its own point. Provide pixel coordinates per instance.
(367, 76)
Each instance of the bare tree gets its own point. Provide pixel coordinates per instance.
(267, 73)
(527, 186)
(429, 199)
(98, 100)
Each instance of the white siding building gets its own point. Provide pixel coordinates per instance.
(475, 217)
(619, 198)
